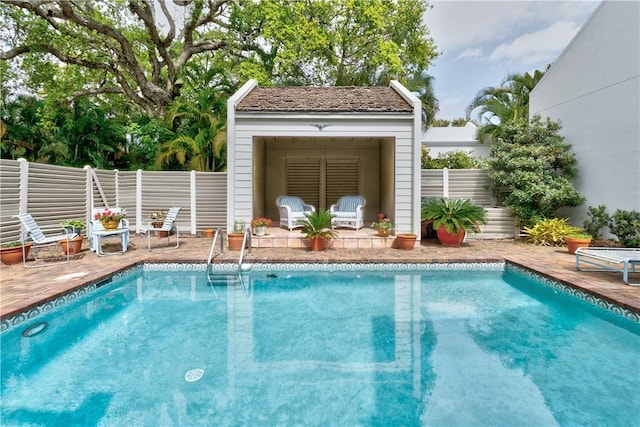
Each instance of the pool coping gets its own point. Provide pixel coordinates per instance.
(19, 317)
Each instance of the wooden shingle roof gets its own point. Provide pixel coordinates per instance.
(348, 99)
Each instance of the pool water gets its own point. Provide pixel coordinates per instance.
(324, 347)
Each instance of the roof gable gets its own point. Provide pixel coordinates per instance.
(347, 99)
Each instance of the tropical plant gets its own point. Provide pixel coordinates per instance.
(496, 106)
(317, 224)
(597, 219)
(625, 225)
(532, 169)
(549, 232)
(454, 214)
(421, 84)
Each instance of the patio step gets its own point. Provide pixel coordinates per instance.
(365, 238)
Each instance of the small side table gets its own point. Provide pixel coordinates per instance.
(97, 236)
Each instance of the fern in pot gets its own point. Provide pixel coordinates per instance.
(453, 218)
(316, 226)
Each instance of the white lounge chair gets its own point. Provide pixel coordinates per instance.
(292, 209)
(97, 233)
(621, 260)
(348, 212)
(36, 234)
(169, 225)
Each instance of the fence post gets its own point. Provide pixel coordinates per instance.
(24, 186)
(445, 182)
(138, 199)
(193, 201)
(88, 188)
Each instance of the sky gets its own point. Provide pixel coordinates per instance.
(481, 42)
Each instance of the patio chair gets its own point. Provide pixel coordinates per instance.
(169, 225)
(348, 212)
(97, 233)
(36, 234)
(292, 209)
(621, 260)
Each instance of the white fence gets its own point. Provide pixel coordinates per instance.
(53, 194)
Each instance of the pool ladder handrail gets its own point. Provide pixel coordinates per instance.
(246, 238)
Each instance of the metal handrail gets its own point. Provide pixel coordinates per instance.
(213, 247)
(247, 236)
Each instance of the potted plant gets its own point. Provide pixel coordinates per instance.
(316, 226)
(110, 219)
(73, 245)
(11, 252)
(260, 225)
(157, 220)
(577, 240)
(406, 241)
(237, 235)
(452, 218)
(384, 227)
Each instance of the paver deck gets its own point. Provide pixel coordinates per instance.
(22, 288)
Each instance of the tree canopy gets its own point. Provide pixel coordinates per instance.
(136, 61)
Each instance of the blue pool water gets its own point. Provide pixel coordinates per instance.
(324, 347)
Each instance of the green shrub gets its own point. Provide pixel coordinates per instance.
(453, 160)
(533, 169)
(549, 232)
(625, 225)
(597, 219)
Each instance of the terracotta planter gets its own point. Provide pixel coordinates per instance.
(318, 243)
(13, 255)
(209, 232)
(74, 246)
(574, 243)
(235, 241)
(452, 240)
(383, 233)
(110, 225)
(406, 241)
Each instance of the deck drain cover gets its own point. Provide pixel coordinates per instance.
(194, 375)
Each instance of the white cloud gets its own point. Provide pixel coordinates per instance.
(470, 53)
(537, 46)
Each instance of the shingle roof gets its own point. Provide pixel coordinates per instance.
(352, 99)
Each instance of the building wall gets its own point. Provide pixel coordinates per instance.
(441, 140)
(594, 89)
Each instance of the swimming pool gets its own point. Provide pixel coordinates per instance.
(479, 344)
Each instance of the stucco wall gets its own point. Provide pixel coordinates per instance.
(594, 89)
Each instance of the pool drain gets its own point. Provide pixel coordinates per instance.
(194, 375)
(35, 329)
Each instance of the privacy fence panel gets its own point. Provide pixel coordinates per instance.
(53, 194)
(211, 200)
(9, 199)
(163, 190)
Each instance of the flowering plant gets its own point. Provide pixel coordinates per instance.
(261, 222)
(385, 225)
(109, 215)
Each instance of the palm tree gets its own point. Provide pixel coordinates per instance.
(495, 106)
(198, 119)
(421, 84)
